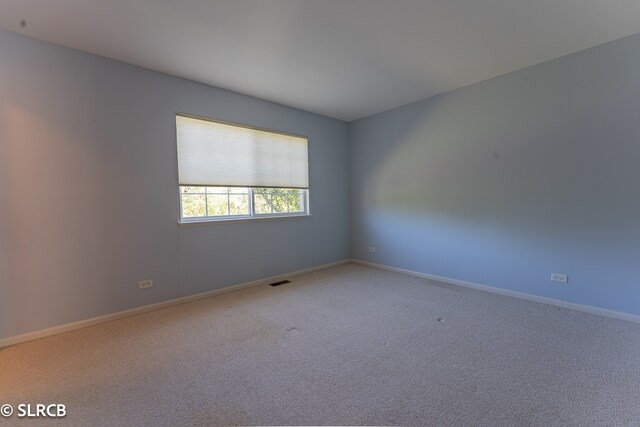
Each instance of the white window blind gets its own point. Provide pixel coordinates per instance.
(218, 154)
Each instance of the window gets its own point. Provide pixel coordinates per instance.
(229, 171)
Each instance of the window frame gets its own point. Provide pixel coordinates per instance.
(252, 215)
(304, 195)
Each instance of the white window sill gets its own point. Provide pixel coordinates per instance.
(203, 221)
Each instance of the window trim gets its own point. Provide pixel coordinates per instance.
(214, 220)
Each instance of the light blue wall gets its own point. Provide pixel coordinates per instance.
(506, 181)
(88, 190)
(499, 183)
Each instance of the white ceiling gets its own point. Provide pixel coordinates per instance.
(341, 58)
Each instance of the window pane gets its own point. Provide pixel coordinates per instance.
(238, 190)
(218, 205)
(239, 204)
(193, 205)
(295, 201)
(262, 201)
(199, 190)
(217, 190)
(279, 200)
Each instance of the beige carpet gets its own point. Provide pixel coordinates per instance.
(349, 345)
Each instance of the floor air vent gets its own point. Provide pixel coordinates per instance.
(282, 282)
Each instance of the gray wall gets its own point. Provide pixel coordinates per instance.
(506, 181)
(88, 190)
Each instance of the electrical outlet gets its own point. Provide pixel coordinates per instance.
(372, 248)
(562, 278)
(143, 284)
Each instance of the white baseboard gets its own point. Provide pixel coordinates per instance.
(521, 295)
(146, 308)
